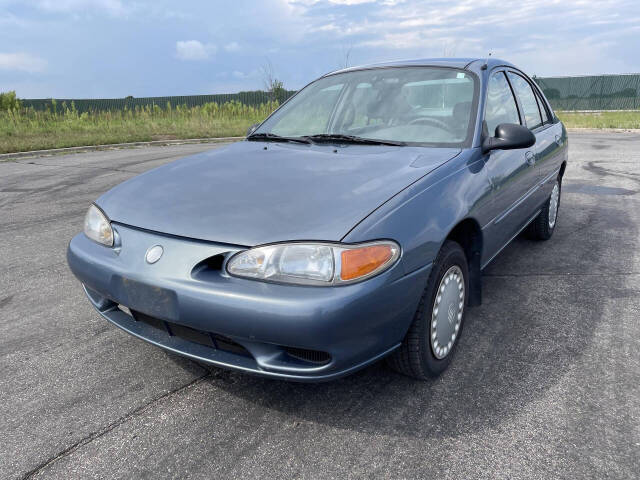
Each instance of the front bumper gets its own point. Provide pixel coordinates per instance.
(353, 324)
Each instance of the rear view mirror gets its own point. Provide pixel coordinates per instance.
(252, 129)
(509, 136)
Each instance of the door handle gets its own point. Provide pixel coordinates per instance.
(559, 140)
(530, 157)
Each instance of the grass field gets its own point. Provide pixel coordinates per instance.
(23, 130)
(620, 119)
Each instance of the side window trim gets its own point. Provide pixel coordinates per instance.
(542, 100)
(533, 89)
(542, 122)
(540, 110)
(515, 97)
(495, 71)
(542, 104)
(536, 95)
(523, 120)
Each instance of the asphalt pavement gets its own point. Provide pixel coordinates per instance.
(545, 384)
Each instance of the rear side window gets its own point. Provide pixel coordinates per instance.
(501, 106)
(527, 100)
(543, 110)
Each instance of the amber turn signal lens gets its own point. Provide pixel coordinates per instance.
(359, 262)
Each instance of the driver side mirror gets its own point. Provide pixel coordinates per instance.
(509, 136)
(252, 128)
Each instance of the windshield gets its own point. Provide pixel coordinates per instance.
(425, 105)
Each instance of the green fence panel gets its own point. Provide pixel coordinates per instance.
(85, 105)
(592, 92)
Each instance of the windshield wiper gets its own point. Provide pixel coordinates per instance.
(272, 137)
(338, 137)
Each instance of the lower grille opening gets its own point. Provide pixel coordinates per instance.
(209, 339)
(221, 342)
(225, 343)
(149, 320)
(312, 356)
(191, 334)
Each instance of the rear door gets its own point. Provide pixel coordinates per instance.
(537, 119)
(550, 148)
(512, 173)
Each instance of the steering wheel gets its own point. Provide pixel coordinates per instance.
(433, 121)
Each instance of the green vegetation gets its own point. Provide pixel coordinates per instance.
(619, 119)
(63, 126)
(9, 101)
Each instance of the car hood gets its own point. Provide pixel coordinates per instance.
(251, 193)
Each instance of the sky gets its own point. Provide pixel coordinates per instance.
(116, 48)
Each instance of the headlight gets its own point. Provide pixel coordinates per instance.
(314, 263)
(97, 226)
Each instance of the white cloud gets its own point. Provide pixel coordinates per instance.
(194, 50)
(384, 29)
(24, 62)
(232, 47)
(305, 38)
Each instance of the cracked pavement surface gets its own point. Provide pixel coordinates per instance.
(545, 384)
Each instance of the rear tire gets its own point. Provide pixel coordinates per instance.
(428, 346)
(543, 226)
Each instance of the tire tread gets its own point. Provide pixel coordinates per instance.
(408, 358)
(539, 228)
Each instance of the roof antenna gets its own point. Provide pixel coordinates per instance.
(486, 62)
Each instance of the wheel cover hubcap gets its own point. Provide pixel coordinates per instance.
(553, 205)
(446, 316)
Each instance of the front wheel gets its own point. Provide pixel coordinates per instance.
(542, 227)
(429, 344)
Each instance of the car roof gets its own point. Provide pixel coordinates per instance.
(473, 64)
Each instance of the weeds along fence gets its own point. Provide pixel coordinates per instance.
(233, 109)
(64, 125)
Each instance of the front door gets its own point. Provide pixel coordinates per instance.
(512, 173)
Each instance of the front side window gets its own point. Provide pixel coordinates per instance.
(425, 105)
(500, 106)
(527, 100)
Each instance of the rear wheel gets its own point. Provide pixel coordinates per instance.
(429, 344)
(543, 226)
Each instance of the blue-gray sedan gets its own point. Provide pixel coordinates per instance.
(352, 224)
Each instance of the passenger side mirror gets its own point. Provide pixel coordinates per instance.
(252, 129)
(509, 136)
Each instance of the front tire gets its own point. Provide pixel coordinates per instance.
(428, 346)
(543, 226)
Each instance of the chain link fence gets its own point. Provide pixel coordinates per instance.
(593, 92)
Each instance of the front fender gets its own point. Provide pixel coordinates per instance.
(421, 216)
